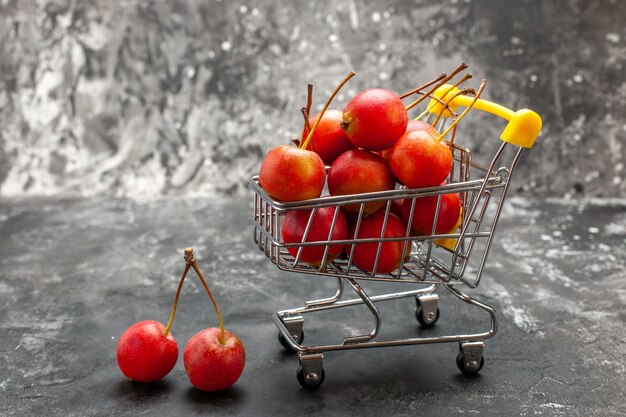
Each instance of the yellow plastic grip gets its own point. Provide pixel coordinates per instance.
(523, 127)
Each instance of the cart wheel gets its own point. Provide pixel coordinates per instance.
(426, 321)
(311, 381)
(469, 368)
(284, 342)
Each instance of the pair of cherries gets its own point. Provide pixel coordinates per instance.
(214, 358)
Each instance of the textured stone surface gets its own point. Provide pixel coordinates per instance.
(179, 97)
(75, 273)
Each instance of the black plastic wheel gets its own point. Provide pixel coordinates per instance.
(284, 342)
(460, 362)
(311, 383)
(419, 315)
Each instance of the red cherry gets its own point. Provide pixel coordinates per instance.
(419, 160)
(390, 252)
(292, 174)
(144, 354)
(358, 171)
(211, 364)
(374, 119)
(424, 214)
(329, 140)
(295, 224)
(415, 125)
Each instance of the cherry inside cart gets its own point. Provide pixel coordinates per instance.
(454, 260)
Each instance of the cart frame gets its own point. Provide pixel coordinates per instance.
(435, 259)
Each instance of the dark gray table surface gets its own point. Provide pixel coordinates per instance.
(75, 273)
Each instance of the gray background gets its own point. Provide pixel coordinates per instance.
(142, 98)
(180, 100)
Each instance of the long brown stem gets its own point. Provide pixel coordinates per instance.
(421, 87)
(175, 303)
(319, 118)
(449, 100)
(307, 122)
(443, 134)
(194, 265)
(306, 111)
(441, 82)
(309, 98)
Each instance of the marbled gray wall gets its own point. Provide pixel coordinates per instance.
(148, 97)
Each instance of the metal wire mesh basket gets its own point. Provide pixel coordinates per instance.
(450, 259)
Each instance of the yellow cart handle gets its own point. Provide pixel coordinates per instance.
(523, 127)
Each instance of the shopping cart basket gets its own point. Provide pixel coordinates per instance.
(453, 260)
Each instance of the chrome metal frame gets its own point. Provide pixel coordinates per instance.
(430, 263)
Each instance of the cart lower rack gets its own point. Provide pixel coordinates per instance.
(453, 260)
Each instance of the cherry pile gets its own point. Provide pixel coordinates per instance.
(372, 145)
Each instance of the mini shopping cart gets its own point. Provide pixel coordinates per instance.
(453, 260)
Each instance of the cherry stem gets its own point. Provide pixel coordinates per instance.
(421, 87)
(444, 105)
(309, 98)
(330, 99)
(194, 265)
(307, 122)
(175, 303)
(448, 101)
(441, 82)
(482, 86)
(306, 111)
